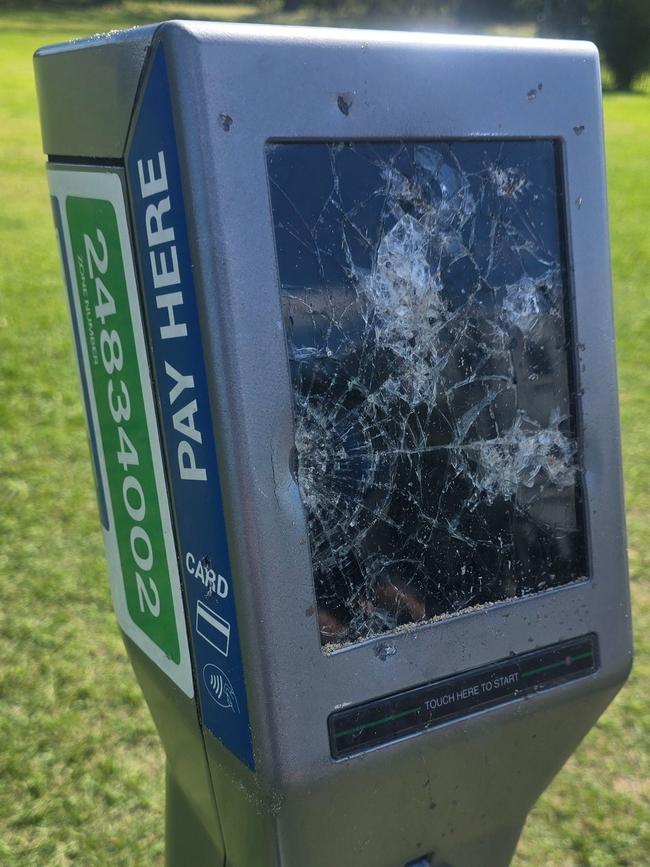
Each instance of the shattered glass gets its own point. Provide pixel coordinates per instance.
(427, 320)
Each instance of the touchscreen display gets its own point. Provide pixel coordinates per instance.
(427, 314)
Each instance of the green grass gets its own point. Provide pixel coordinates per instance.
(597, 812)
(80, 765)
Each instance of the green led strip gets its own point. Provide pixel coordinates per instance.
(557, 664)
(392, 717)
(378, 722)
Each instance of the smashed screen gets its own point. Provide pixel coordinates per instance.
(424, 297)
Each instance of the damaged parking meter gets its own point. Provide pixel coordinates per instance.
(342, 308)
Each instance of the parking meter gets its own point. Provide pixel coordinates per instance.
(342, 309)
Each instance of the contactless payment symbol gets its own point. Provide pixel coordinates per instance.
(220, 688)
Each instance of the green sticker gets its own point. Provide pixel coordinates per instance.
(116, 379)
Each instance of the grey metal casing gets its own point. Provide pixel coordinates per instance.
(482, 773)
(86, 92)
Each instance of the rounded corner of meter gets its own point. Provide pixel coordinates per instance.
(81, 194)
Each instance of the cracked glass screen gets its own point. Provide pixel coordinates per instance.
(424, 300)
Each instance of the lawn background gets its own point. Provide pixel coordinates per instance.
(81, 768)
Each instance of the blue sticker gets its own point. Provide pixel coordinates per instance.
(154, 183)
